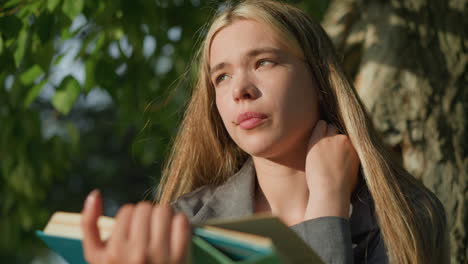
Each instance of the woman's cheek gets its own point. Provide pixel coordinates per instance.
(226, 116)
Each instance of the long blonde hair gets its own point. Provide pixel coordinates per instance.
(411, 219)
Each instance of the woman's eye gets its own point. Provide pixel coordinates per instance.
(220, 78)
(264, 63)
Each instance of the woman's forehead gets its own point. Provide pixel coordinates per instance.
(243, 37)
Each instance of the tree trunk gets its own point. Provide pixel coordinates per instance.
(408, 61)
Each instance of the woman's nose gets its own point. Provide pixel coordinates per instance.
(244, 89)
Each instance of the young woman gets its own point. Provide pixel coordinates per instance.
(274, 126)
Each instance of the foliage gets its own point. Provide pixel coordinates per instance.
(90, 96)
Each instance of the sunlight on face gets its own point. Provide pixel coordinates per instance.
(265, 96)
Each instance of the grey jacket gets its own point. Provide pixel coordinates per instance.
(335, 239)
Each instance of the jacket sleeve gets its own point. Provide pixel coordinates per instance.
(329, 237)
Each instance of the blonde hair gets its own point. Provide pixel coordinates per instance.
(411, 219)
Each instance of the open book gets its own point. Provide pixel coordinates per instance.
(257, 239)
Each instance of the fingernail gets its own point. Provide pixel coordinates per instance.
(91, 198)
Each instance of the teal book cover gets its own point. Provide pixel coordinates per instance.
(203, 252)
(250, 240)
(68, 248)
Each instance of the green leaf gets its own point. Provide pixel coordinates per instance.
(45, 25)
(72, 8)
(1, 45)
(21, 46)
(35, 7)
(31, 8)
(33, 93)
(10, 26)
(12, 3)
(118, 33)
(100, 41)
(58, 59)
(90, 68)
(52, 4)
(31, 74)
(74, 136)
(64, 98)
(44, 54)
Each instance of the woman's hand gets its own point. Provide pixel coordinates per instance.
(332, 172)
(142, 234)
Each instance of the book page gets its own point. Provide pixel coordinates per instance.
(290, 246)
(68, 225)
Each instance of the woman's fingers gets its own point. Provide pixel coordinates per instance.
(180, 238)
(320, 130)
(140, 226)
(141, 232)
(331, 130)
(92, 243)
(120, 234)
(161, 225)
(331, 172)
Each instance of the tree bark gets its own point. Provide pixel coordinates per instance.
(408, 61)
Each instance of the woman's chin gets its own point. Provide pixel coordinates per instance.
(272, 146)
(258, 149)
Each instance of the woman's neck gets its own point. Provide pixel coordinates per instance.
(281, 189)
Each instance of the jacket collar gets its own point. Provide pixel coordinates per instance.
(235, 198)
(229, 199)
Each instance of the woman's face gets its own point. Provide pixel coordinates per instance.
(265, 96)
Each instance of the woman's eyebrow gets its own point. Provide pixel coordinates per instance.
(250, 53)
(255, 52)
(218, 67)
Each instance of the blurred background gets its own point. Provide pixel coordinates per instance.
(91, 93)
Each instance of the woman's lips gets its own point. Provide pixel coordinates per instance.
(251, 123)
(250, 120)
